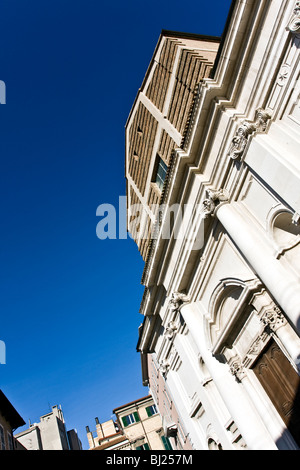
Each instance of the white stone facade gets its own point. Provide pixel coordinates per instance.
(222, 321)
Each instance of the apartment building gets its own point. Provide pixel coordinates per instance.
(108, 436)
(213, 177)
(138, 426)
(49, 434)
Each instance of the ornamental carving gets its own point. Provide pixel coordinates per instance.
(240, 140)
(237, 369)
(255, 349)
(177, 299)
(261, 120)
(294, 24)
(171, 330)
(283, 75)
(273, 319)
(212, 196)
(164, 366)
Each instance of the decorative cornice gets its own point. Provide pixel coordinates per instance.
(247, 128)
(192, 116)
(164, 195)
(294, 24)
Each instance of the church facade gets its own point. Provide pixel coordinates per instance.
(213, 178)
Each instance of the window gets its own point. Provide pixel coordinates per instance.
(160, 172)
(10, 441)
(143, 447)
(151, 410)
(213, 445)
(166, 443)
(130, 419)
(2, 441)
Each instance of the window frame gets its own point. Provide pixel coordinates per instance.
(2, 438)
(159, 173)
(144, 446)
(130, 419)
(151, 410)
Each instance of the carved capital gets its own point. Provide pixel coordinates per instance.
(294, 24)
(213, 195)
(273, 319)
(239, 142)
(237, 369)
(177, 299)
(261, 120)
(171, 330)
(164, 366)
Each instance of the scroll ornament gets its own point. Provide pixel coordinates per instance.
(213, 195)
(294, 24)
(164, 366)
(171, 330)
(237, 369)
(177, 300)
(273, 319)
(240, 140)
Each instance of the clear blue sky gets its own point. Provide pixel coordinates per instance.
(69, 301)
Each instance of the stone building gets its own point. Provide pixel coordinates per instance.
(108, 436)
(213, 178)
(10, 420)
(138, 426)
(49, 434)
(142, 424)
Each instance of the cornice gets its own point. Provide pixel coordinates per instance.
(210, 100)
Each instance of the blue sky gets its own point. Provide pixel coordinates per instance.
(69, 301)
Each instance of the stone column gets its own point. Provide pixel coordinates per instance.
(238, 404)
(256, 248)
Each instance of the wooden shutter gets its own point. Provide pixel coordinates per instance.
(125, 421)
(166, 443)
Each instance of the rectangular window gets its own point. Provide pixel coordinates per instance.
(2, 440)
(143, 447)
(166, 443)
(160, 173)
(151, 410)
(130, 419)
(10, 441)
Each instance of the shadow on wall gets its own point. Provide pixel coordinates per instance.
(290, 413)
(293, 423)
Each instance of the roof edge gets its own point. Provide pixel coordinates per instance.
(180, 34)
